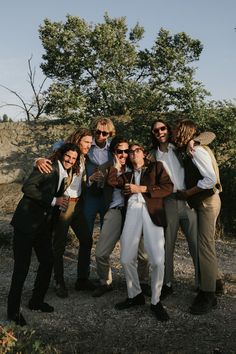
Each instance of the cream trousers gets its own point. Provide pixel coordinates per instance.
(138, 222)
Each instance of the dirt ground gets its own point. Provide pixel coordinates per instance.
(83, 324)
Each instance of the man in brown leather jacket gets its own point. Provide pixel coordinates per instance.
(145, 186)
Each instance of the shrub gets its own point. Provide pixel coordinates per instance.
(22, 341)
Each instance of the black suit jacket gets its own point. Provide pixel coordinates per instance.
(34, 209)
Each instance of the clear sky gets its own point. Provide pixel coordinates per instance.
(213, 22)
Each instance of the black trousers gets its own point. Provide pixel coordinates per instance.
(23, 245)
(73, 217)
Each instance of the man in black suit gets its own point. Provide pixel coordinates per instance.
(32, 220)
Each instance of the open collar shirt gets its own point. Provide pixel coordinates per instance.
(99, 155)
(172, 166)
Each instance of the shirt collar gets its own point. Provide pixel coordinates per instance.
(169, 147)
(106, 147)
(62, 171)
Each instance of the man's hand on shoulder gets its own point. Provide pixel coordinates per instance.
(44, 165)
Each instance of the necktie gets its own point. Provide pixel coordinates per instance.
(68, 180)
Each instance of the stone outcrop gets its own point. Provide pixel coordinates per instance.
(21, 143)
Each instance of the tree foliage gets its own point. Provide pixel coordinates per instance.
(101, 70)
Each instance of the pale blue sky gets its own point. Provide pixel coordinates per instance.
(210, 21)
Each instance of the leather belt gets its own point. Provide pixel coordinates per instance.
(118, 207)
(74, 199)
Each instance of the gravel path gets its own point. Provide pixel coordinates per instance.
(83, 324)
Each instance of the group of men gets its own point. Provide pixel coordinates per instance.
(139, 201)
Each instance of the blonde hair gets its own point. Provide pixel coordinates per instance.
(185, 131)
(104, 121)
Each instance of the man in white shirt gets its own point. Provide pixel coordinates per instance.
(178, 212)
(202, 193)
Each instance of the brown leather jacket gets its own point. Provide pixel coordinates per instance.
(159, 185)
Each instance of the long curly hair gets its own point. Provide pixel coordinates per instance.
(185, 131)
(59, 153)
(75, 137)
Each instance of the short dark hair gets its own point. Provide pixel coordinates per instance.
(116, 141)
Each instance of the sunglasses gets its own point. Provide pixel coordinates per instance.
(137, 150)
(119, 151)
(161, 129)
(99, 132)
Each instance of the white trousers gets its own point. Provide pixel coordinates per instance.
(138, 222)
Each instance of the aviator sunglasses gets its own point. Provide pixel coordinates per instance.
(161, 129)
(99, 132)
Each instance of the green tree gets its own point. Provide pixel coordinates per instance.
(100, 70)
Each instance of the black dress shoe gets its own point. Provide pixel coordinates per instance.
(61, 290)
(101, 290)
(146, 289)
(18, 319)
(135, 301)
(43, 307)
(204, 302)
(160, 312)
(84, 284)
(166, 291)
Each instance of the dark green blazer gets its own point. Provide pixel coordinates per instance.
(34, 209)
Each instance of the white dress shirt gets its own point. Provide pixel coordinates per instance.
(202, 161)
(62, 175)
(138, 197)
(75, 188)
(172, 166)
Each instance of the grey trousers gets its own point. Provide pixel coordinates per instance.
(108, 238)
(179, 214)
(207, 216)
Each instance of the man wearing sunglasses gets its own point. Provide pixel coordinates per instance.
(145, 187)
(99, 159)
(113, 222)
(178, 212)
